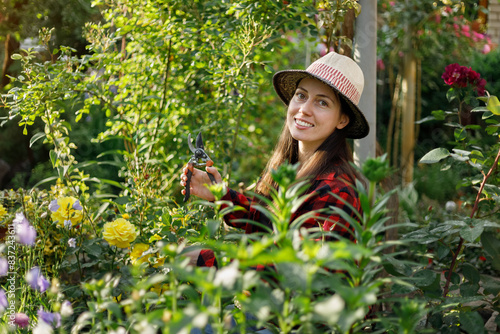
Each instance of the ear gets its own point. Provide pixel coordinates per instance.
(344, 120)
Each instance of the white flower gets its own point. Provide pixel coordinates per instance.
(227, 276)
(119, 330)
(43, 328)
(450, 206)
(330, 309)
(66, 309)
(72, 242)
(68, 224)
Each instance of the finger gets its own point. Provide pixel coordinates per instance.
(215, 173)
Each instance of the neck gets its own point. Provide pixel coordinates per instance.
(306, 152)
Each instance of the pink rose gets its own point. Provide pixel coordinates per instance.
(486, 49)
(380, 65)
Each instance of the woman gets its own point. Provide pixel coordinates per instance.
(322, 114)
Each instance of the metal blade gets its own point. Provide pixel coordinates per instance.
(199, 141)
(191, 147)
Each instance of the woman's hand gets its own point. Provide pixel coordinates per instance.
(199, 182)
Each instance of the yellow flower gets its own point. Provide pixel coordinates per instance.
(136, 254)
(159, 288)
(159, 262)
(119, 233)
(66, 211)
(125, 216)
(3, 211)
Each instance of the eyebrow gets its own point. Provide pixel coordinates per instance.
(321, 95)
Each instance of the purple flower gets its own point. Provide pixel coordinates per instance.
(21, 320)
(49, 318)
(4, 266)
(77, 205)
(53, 206)
(36, 280)
(4, 303)
(26, 234)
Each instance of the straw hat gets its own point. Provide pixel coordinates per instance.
(339, 72)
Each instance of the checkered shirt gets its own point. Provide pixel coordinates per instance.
(322, 186)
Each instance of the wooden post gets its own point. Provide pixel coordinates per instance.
(365, 55)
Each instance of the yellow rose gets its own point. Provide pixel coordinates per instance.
(119, 233)
(136, 254)
(3, 211)
(66, 211)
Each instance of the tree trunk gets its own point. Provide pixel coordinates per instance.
(348, 31)
(11, 46)
(408, 117)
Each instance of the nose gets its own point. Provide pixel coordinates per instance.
(306, 108)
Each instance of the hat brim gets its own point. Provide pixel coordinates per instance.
(285, 83)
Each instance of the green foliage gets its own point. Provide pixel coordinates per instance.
(157, 71)
(456, 236)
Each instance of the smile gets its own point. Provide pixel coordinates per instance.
(303, 123)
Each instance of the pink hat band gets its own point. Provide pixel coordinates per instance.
(337, 79)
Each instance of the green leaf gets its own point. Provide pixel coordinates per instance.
(491, 285)
(470, 273)
(471, 234)
(491, 247)
(94, 250)
(471, 322)
(451, 94)
(439, 114)
(424, 278)
(493, 105)
(36, 137)
(16, 56)
(460, 134)
(53, 157)
(435, 155)
(469, 289)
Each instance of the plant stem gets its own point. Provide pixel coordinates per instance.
(474, 209)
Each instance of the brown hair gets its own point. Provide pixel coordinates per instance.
(333, 155)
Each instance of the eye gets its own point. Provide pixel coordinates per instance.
(300, 96)
(323, 103)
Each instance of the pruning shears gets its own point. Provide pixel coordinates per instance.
(199, 159)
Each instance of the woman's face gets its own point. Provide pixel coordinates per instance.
(314, 113)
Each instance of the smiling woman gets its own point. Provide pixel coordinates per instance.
(322, 114)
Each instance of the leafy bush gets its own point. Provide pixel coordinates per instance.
(96, 250)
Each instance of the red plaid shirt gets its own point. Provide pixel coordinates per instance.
(322, 186)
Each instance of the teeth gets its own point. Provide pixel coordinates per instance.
(301, 123)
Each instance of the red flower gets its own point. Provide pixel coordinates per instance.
(482, 258)
(460, 76)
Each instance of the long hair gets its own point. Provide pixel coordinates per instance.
(333, 155)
